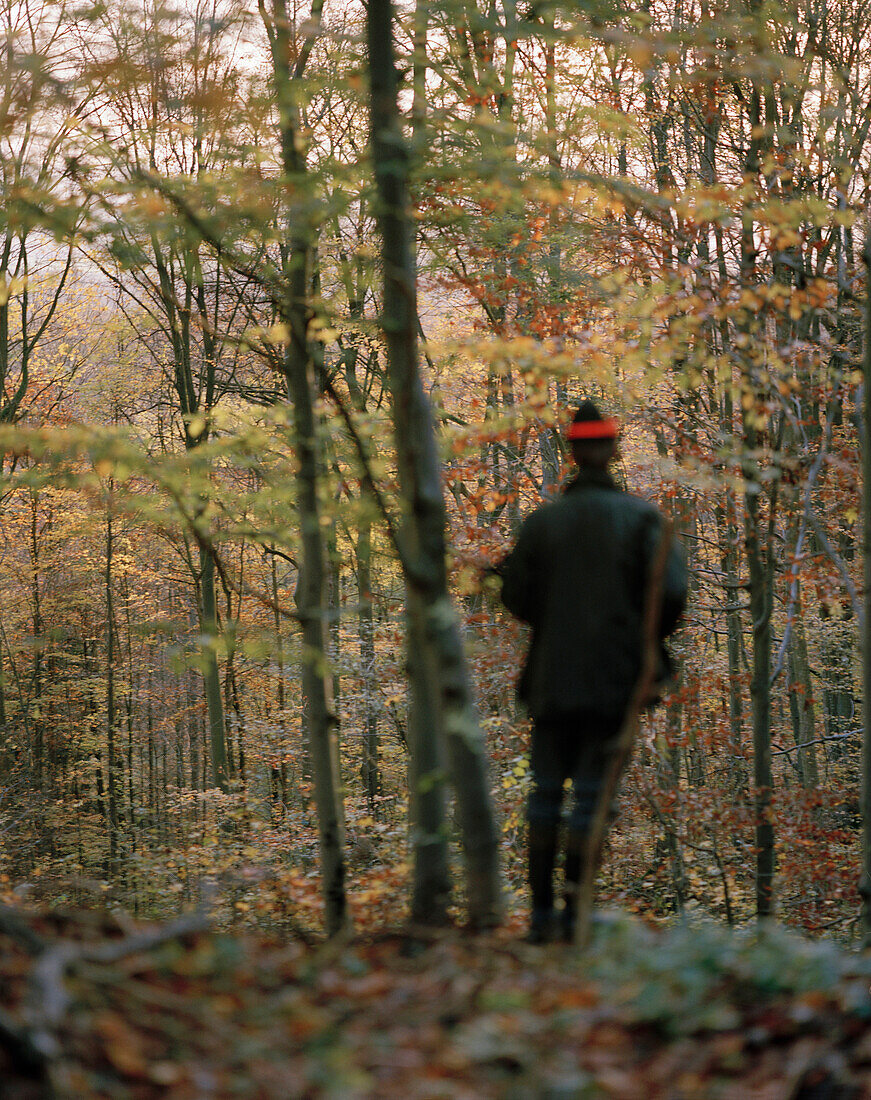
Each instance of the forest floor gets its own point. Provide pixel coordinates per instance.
(96, 1006)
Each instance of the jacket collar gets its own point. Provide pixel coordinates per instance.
(588, 476)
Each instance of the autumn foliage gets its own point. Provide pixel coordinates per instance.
(659, 205)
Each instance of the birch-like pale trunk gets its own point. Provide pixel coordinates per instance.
(442, 708)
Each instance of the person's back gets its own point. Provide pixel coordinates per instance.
(579, 575)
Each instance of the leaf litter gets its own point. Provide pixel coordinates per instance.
(94, 1008)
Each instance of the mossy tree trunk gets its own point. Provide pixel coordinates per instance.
(443, 722)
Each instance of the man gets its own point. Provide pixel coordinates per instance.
(579, 576)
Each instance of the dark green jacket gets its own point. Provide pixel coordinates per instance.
(578, 575)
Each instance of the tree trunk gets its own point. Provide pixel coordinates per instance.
(442, 702)
(865, 881)
(728, 537)
(193, 731)
(318, 712)
(802, 704)
(757, 566)
(111, 732)
(277, 764)
(366, 627)
(760, 689)
(211, 675)
(37, 740)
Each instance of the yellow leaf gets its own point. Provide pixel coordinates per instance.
(277, 334)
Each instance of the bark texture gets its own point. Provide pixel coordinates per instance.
(311, 597)
(442, 708)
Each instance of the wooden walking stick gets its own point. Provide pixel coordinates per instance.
(641, 693)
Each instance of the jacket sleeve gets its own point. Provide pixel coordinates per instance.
(518, 572)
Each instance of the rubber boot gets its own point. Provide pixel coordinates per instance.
(542, 853)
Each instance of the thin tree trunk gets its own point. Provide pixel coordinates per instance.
(865, 881)
(37, 740)
(366, 627)
(236, 703)
(112, 795)
(193, 734)
(211, 675)
(442, 702)
(758, 569)
(149, 728)
(760, 688)
(128, 714)
(728, 538)
(548, 437)
(278, 766)
(318, 710)
(802, 704)
(334, 603)
(164, 789)
(318, 713)
(101, 790)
